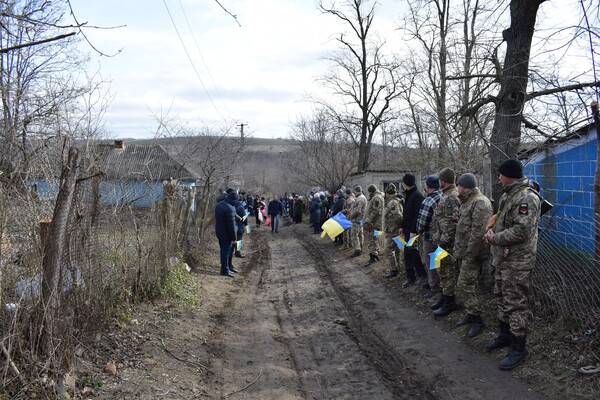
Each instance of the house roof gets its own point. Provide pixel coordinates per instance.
(140, 162)
(580, 133)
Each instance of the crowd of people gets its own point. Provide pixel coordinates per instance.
(452, 217)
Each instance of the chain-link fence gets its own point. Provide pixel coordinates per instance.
(79, 248)
(566, 279)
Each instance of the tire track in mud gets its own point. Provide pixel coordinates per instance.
(415, 353)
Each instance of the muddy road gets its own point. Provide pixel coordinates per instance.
(303, 320)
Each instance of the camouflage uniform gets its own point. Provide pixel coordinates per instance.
(374, 220)
(350, 199)
(514, 249)
(469, 246)
(393, 223)
(356, 215)
(443, 230)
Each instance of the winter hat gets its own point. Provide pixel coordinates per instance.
(409, 180)
(432, 182)
(348, 191)
(358, 189)
(511, 169)
(468, 181)
(391, 189)
(447, 175)
(372, 188)
(340, 192)
(233, 196)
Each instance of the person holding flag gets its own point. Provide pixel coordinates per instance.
(350, 199)
(393, 222)
(355, 215)
(432, 188)
(470, 250)
(443, 232)
(373, 222)
(241, 220)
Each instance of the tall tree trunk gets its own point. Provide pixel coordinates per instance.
(506, 133)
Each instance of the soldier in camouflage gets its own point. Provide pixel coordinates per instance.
(355, 215)
(513, 234)
(374, 221)
(350, 199)
(469, 250)
(443, 231)
(393, 223)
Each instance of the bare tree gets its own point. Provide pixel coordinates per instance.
(363, 79)
(325, 157)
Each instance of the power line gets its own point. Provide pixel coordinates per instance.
(202, 57)
(192, 62)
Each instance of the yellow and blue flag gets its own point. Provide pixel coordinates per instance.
(399, 242)
(335, 225)
(362, 223)
(411, 241)
(238, 245)
(435, 258)
(248, 228)
(377, 233)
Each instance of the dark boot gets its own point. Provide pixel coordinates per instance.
(239, 254)
(448, 307)
(503, 338)
(465, 321)
(439, 303)
(517, 353)
(477, 326)
(356, 253)
(372, 260)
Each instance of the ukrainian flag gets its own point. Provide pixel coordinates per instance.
(411, 241)
(399, 242)
(377, 233)
(335, 225)
(238, 245)
(435, 258)
(248, 228)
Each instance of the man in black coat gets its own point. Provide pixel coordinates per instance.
(225, 229)
(412, 259)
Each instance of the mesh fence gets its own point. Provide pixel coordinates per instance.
(566, 280)
(78, 251)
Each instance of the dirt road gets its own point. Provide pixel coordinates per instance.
(303, 320)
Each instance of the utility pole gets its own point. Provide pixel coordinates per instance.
(242, 131)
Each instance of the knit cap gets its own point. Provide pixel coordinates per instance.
(358, 189)
(447, 175)
(511, 169)
(468, 181)
(432, 182)
(409, 180)
(372, 188)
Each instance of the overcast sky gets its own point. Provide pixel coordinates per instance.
(257, 74)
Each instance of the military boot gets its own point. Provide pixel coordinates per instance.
(438, 303)
(517, 353)
(469, 318)
(239, 254)
(503, 338)
(449, 306)
(372, 260)
(477, 326)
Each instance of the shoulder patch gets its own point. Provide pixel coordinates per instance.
(524, 208)
(449, 210)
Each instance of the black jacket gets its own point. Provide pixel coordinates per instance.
(225, 226)
(412, 204)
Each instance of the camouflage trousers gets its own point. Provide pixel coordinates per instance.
(356, 236)
(448, 273)
(393, 253)
(512, 291)
(467, 286)
(373, 244)
(346, 237)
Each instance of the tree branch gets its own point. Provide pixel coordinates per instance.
(560, 89)
(22, 45)
(470, 111)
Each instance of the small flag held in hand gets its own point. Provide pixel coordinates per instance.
(435, 258)
(399, 242)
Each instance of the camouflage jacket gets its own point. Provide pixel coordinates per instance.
(475, 210)
(358, 209)
(374, 210)
(393, 214)
(349, 204)
(445, 219)
(516, 229)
